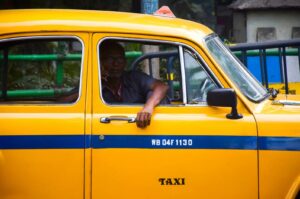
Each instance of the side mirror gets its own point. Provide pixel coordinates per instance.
(224, 97)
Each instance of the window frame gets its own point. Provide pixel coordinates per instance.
(180, 47)
(39, 37)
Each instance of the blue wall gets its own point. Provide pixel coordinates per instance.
(273, 68)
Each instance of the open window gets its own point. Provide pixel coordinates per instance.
(40, 70)
(178, 67)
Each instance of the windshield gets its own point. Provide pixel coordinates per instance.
(249, 86)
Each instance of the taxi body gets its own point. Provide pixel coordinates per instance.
(219, 137)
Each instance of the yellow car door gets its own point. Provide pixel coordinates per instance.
(42, 115)
(190, 149)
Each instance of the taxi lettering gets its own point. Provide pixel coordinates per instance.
(172, 181)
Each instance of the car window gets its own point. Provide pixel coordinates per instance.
(147, 60)
(1, 70)
(198, 82)
(144, 62)
(40, 70)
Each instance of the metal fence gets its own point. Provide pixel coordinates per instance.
(278, 59)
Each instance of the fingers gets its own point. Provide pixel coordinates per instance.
(143, 119)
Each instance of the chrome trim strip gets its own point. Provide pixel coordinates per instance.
(182, 67)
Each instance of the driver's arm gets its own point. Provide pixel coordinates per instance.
(159, 92)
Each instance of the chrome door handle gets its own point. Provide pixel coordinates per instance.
(107, 120)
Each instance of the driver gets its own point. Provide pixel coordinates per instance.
(119, 86)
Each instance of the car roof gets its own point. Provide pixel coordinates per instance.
(37, 20)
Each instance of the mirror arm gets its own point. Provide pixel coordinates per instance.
(234, 115)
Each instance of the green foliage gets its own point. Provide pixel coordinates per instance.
(35, 65)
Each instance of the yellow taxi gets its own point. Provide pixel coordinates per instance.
(221, 134)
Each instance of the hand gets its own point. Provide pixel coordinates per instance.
(104, 75)
(143, 117)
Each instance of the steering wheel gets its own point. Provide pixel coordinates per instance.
(201, 93)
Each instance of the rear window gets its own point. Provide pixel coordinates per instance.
(40, 70)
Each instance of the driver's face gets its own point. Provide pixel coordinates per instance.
(113, 63)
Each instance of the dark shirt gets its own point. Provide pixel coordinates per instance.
(135, 88)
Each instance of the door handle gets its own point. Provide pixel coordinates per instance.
(107, 120)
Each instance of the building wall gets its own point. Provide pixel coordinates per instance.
(281, 20)
(239, 27)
